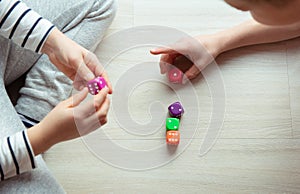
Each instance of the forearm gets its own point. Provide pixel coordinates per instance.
(40, 139)
(54, 42)
(252, 32)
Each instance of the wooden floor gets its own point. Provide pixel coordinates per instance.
(258, 148)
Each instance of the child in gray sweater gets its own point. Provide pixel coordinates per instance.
(65, 31)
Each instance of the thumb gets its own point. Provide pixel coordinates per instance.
(78, 98)
(162, 50)
(84, 72)
(192, 73)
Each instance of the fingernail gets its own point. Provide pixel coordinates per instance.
(89, 76)
(81, 87)
(106, 89)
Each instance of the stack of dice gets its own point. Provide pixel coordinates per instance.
(95, 85)
(172, 123)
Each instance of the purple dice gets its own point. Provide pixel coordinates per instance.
(176, 110)
(96, 85)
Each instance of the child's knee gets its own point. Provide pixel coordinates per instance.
(105, 9)
(112, 7)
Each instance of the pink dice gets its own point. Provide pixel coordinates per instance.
(175, 76)
(96, 85)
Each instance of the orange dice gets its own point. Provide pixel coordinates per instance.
(173, 137)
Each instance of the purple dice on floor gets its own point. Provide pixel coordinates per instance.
(176, 110)
(96, 85)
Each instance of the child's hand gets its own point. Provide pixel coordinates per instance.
(70, 119)
(79, 64)
(200, 50)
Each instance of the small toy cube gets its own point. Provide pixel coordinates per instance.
(173, 137)
(176, 110)
(175, 76)
(96, 85)
(172, 124)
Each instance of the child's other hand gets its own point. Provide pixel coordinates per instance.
(79, 64)
(200, 50)
(70, 119)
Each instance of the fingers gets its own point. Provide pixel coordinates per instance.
(98, 117)
(77, 98)
(93, 63)
(105, 76)
(100, 98)
(165, 62)
(162, 50)
(84, 72)
(102, 112)
(92, 115)
(101, 115)
(192, 73)
(92, 106)
(79, 84)
(167, 58)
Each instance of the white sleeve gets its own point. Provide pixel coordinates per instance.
(16, 155)
(22, 25)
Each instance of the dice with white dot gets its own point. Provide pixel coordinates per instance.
(176, 110)
(175, 76)
(172, 124)
(96, 85)
(172, 137)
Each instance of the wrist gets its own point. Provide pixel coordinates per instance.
(39, 139)
(52, 42)
(212, 43)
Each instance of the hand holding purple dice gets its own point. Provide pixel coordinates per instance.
(96, 85)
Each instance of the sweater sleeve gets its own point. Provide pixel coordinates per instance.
(16, 155)
(23, 26)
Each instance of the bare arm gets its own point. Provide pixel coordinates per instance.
(245, 34)
(252, 32)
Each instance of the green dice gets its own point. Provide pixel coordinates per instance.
(172, 124)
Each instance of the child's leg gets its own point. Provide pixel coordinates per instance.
(39, 180)
(14, 61)
(85, 22)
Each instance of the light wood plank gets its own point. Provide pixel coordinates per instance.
(124, 16)
(257, 92)
(232, 166)
(293, 58)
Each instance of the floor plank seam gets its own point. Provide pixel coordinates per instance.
(289, 88)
